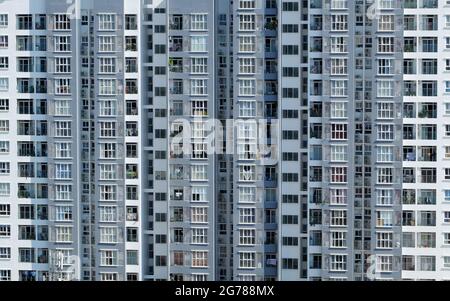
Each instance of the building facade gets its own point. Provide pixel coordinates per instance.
(224, 140)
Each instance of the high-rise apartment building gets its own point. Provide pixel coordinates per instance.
(224, 140)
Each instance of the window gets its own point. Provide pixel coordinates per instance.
(108, 235)
(108, 192)
(384, 218)
(107, 87)
(199, 236)
(63, 234)
(4, 105)
(338, 174)
(338, 217)
(385, 66)
(107, 44)
(4, 62)
(4, 147)
(247, 260)
(385, 154)
(385, 132)
(63, 171)
(386, 23)
(200, 259)
(5, 275)
(247, 22)
(108, 214)
(63, 213)
(63, 192)
(199, 44)
(4, 168)
(199, 22)
(4, 84)
(62, 86)
(339, 131)
(385, 175)
(338, 153)
(199, 194)
(62, 65)
(338, 263)
(4, 126)
(247, 87)
(131, 43)
(62, 22)
(246, 4)
(385, 197)
(384, 240)
(5, 210)
(339, 22)
(338, 196)
(385, 88)
(338, 109)
(199, 87)
(199, 173)
(247, 65)
(199, 108)
(3, 41)
(130, 22)
(199, 65)
(62, 108)
(199, 215)
(107, 65)
(339, 88)
(3, 20)
(338, 44)
(108, 257)
(5, 231)
(106, 22)
(63, 128)
(5, 254)
(385, 44)
(384, 263)
(247, 43)
(338, 239)
(108, 107)
(338, 66)
(385, 110)
(62, 44)
(247, 237)
(108, 172)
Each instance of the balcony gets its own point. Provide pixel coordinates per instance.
(409, 197)
(24, 44)
(132, 132)
(132, 175)
(315, 26)
(176, 65)
(25, 87)
(176, 44)
(271, 25)
(427, 197)
(426, 113)
(176, 22)
(410, 4)
(41, 23)
(427, 153)
(426, 219)
(429, 4)
(428, 23)
(428, 175)
(176, 90)
(315, 4)
(131, 90)
(410, 23)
